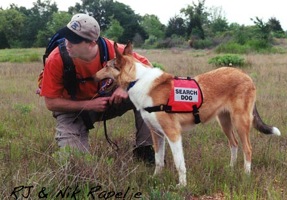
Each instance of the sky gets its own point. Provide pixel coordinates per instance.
(239, 11)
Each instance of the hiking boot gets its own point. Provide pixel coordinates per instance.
(145, 154)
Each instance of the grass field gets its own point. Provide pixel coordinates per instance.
(31, 169)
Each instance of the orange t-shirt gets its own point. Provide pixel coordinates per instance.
(52, 83)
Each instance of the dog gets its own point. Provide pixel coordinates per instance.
(228, 94)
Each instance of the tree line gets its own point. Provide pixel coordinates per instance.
(197, 26)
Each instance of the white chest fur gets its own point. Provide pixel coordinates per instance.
(139, 93)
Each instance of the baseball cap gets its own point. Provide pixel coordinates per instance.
(81, 27)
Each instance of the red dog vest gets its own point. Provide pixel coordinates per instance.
(185, 95)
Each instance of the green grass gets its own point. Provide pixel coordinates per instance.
(29, 156)
(227, 60)
(20, 55)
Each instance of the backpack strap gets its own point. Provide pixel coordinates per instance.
(69, 77)
(104, 53)
(55, 41)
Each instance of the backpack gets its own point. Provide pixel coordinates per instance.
(69, 77)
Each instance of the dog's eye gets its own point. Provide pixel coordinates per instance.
(117, 68)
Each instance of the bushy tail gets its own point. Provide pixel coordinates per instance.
(259, 125)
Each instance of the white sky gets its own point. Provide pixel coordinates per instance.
(239, 11)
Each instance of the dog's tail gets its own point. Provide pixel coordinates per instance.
(259, 125)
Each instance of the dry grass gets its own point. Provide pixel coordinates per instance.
(28, 151)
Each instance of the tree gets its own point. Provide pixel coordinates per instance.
(176, 26)
(263, 30)
(274, 25)
(276, 28)
(196, 17)
(241, 34)
(11, 26)
(153, 26)
(36, 20)
(43, 11)
(3, 41)
(58, 21)
(115, 30)
(102, 10)
(217, 21)
(96, 9)
(128, 20)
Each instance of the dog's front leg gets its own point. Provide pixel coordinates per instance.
(177, 152)
(159, 148)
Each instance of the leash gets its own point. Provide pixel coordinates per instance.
(106, 88)
(112, 144)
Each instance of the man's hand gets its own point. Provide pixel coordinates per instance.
(99, 104)
(118, 96)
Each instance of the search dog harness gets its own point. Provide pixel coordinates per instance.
(185, 97)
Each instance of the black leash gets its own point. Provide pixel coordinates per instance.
(106, 88)
(112, 144)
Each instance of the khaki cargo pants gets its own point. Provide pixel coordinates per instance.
(72, 129)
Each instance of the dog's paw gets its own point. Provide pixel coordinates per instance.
(157, 170)
(181, 185)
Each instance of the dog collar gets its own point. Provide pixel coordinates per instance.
(131, 84)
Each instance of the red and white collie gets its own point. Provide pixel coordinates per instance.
(228, 94)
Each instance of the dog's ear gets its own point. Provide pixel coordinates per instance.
(119, 56)
(128, 49)
(118, 53)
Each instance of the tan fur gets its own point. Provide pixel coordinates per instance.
(228, 94)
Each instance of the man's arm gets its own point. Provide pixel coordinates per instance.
(118, 96)
(66, 105)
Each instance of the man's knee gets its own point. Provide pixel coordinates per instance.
(76, 141)
(71, 131)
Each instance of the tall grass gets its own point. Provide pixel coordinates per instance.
(31, 167)
(21, 55)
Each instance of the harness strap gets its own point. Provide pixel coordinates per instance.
(161, 107)
(195, 113)
(182, 78)
(167, 108)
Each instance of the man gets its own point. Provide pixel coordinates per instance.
(75, 115)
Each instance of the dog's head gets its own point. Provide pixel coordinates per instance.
(121, 68)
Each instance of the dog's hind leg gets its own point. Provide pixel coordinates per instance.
(242, 122)
(178, 156)
(159, 148)
(226, 125)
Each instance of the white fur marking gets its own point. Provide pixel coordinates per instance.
(276, 131)
(159, 156)
(233, 159)
(177, 152)
(139, 92)
(247, 167)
